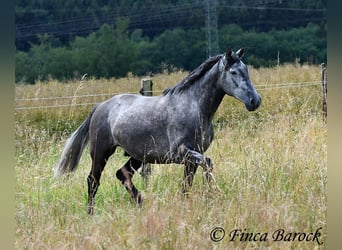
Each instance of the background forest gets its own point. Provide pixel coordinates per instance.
(65, 39)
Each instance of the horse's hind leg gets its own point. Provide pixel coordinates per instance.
(99, 160)
(189, 173)
(125, 175)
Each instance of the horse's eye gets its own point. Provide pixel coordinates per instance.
(233, 72)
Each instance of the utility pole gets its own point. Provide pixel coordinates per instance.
(211, 25)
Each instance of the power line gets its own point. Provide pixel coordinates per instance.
(83, 25)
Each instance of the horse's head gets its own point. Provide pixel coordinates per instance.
(235, 80)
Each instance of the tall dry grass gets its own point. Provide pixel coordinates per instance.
(270, 173)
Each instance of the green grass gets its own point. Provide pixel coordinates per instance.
(270, 173)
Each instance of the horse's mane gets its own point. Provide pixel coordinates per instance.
(193, 76)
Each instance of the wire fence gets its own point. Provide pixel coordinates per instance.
(19, 106)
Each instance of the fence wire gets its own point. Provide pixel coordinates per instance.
(74, 97)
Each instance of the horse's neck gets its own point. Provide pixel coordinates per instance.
(204, 95)
(209, 95)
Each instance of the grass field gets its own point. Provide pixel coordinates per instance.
(270, 172)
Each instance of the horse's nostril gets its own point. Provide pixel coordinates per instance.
(255, 101)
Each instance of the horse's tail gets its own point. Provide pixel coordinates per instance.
(73, 148)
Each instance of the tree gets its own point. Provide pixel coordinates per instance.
(114, 51)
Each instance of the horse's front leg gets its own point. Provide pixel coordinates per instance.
(208, 168)
(189, 173)
(192, 160)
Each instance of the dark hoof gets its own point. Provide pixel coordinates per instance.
(91, 210)
(138, 200)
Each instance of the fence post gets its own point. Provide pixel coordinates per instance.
(146, 90)
(325, 91)
(146, 87)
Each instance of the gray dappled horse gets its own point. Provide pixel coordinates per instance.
(175, 127)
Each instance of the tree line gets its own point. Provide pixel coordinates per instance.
(65, 39)
(115, 51)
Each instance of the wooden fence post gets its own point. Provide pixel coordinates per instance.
(325, 91)
(146, 90)
(146, 87)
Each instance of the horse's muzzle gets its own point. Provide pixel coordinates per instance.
(253, 103)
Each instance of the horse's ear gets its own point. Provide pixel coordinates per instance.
(240, 52)
(229, 53)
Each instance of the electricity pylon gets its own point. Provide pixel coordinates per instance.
(211, 25)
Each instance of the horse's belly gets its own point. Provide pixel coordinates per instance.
(141, 142)
(146, 149)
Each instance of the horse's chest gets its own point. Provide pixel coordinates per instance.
(204, 139)
(197, 136)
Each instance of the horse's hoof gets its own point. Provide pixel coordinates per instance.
(90, 211)
(138, 199)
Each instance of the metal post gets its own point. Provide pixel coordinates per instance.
(211, 26)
